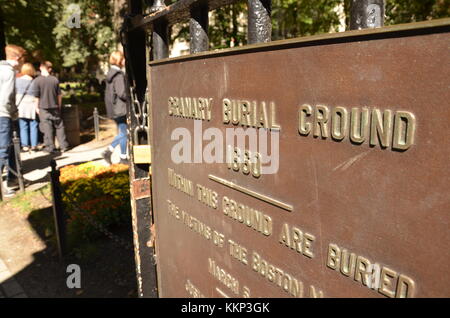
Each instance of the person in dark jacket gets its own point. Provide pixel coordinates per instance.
(49, 108)
(116, 99)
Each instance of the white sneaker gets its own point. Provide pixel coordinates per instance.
(8, 192)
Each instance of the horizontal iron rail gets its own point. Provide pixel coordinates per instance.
(175, 13)
(398, 30)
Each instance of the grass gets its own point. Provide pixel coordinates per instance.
(32, 200)
(36, 206)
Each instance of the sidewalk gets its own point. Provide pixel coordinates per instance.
(36, 165)
(9, 287)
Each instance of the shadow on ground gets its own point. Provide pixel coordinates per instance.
(107, 269)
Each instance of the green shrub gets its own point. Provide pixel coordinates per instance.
(93, 192)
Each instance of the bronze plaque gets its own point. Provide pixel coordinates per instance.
(351, 198)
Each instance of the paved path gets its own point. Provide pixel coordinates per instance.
(36, 165)
(9, 287)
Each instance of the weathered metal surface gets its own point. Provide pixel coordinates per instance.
(175, 13)
(198, 29)
(141, 188)
(160, 47)
(324, 38)
(366, 14)
(344, 202)
(259, 21)
(157, 6)
(134, 43)
(144, 245)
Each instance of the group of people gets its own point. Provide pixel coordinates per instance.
(36, 102)
(39, 99)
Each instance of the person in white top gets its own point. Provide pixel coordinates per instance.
(26, 104)
(8, 111)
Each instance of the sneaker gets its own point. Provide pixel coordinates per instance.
(47, 150)
(14, 183)
(8, 192)
(124, 161)
(35, 148)
(107, 156)
(25, 149)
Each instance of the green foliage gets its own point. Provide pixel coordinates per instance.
(293, 18)
(94, 40)
(30, 23)
(78, 93)
(94, 192)
(405, 11)
(81, 98)
(228, 26)
(40, 26)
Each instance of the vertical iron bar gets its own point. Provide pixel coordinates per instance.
(135, 47)
(160, 40)
(157, 5)
(198, 29)
(366, 14)
(58, 211)
(19, 170)
(259, 21)
(96, 125)
(136, 6)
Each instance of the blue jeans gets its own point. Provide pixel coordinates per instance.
(121, 137)
(28, 130)
(6, 147)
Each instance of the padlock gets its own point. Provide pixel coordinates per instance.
(141, 153)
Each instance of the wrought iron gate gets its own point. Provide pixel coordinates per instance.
(362, 173)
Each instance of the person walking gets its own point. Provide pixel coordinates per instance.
(49, 102)
(8, 112)
(116, 99)
(26, 104)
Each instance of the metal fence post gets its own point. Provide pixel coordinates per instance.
(58, 210)
(135, 46)
(366, 14)
(19, 170)
(259, 21)
(160, 40)
(157, 5)
(96, 125)
(198, 29)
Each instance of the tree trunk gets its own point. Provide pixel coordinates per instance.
(119, 11)
(234, 30)
(347, 5)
